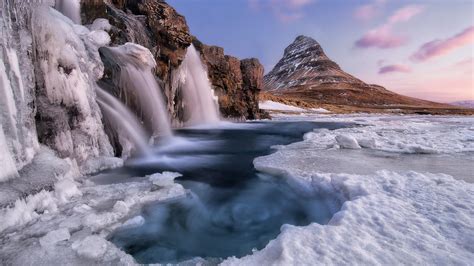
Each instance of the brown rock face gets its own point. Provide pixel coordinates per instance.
(252, 77)
(157, 26)
(236, 82)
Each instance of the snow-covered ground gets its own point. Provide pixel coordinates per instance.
(402, 180)
(389, 217)
(271, 105)
(276, 106)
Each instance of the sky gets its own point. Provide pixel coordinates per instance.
(423, 49)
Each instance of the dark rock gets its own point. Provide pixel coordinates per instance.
(237, 83)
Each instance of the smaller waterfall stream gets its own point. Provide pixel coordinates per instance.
(200, 103)
(124, 122)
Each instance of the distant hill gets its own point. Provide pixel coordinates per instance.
(466, 104)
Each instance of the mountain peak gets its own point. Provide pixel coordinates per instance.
(304, 38)
(304, 63)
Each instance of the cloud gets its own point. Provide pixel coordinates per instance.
(438, 47)
(383, 36)
(405, 14)
(285, 11)
(394, 68)
(369, 11)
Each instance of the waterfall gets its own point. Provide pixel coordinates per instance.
(70, 8)
(136, 80)
(201, 105)
(127, 126)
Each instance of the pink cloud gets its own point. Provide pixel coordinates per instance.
(437, 48)
(383, 36)
(394, 68)
(369, 11)
(404, 14)
(284, 10)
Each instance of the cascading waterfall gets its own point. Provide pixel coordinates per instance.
(124, 122)
(70, 8)
(135, 64)
(201, 105)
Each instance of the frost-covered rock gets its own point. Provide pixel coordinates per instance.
(25, 210)
(100, 24)
(134, 222)
(121, 206)
(369, 143)
(347, 142)
(65, 189)
(51, 238)
(92, 247)
(164, 179)
(66, 67)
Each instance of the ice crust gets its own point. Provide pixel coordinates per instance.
(84, 215)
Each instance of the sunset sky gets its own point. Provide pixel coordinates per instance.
(423, 49)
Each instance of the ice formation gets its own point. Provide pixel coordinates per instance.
(17, 87)
(200, 104)
(68, 64)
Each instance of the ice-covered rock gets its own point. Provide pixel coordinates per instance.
(164, 179)
(347, 142)
(92, 247)
(134, 222)
(121, 206)
(66, 189)
(100, 24)
(52, 237)
(67, 66)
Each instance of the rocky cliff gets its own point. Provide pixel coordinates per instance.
(156, 25)
(236, 82)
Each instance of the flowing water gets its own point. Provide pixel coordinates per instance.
(124, 122)
(135, 64)
(201, 105)
(231, 208)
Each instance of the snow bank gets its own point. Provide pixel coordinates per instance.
(387, 217)
(347, 142)
(320, 110)
(271, 105)
(410, 134)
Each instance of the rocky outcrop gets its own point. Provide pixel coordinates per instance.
(156, 25)
(237, 82)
